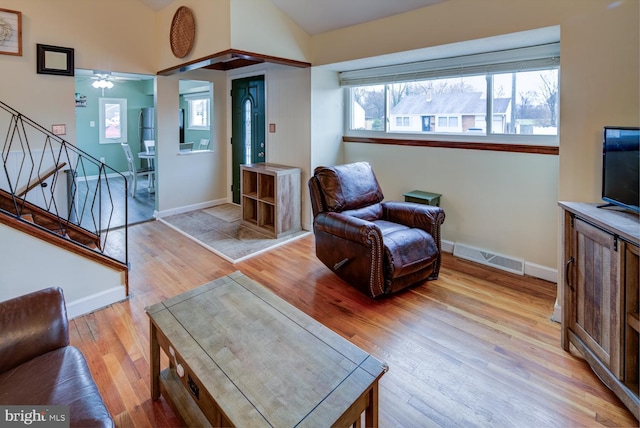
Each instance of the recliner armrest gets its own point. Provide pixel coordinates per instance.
(32, 325)
(411, 214)
(351, 228)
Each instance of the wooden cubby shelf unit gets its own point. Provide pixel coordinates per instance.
(270, 198)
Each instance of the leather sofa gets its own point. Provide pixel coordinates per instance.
(378, 247)
(37, 364)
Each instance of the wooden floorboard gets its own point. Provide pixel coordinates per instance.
(474, 348)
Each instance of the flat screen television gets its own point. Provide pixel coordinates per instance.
(621, 167)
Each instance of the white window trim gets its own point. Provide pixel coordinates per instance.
(123, 120)
(194, 97)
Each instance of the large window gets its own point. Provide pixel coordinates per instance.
(436, 99)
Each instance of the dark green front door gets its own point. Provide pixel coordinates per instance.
(247, 126)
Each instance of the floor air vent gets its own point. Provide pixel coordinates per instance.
(488, 258)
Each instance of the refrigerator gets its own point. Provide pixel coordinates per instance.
(146, 126)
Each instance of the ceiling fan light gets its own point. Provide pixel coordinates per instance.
(102, 84)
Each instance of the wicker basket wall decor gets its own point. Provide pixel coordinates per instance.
(183, 32)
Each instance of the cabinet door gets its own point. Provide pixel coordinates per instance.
(632, 324)
(596, 309)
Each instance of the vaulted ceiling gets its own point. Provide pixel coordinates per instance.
(319, 16)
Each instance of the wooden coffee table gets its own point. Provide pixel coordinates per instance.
(241, 356)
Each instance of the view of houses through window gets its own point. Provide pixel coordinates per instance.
(522, 102)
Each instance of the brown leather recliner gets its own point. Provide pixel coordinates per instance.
(37, 364)
(378, 247)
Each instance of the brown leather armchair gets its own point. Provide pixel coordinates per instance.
(378, 247)
(37, 364)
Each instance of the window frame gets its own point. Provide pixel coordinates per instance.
(526, 59)
(190, 99)
(102, 103)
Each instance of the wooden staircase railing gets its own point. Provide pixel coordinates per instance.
(41, 180)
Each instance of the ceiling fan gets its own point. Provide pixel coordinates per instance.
(102, 80)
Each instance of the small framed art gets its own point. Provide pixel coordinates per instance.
(59, 129)
(55, 60)
(10, 32)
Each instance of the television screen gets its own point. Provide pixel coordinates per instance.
(621, 167)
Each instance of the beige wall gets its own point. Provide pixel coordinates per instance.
(258, 26)
(508, 202)
(213, 31)
(599, 62)
(103, 37)
(249, 25)
(516, 212)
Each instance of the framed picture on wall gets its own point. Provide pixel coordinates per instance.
(54, 60)
(10, 32)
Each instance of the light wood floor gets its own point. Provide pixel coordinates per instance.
(474, 348)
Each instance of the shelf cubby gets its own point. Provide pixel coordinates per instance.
(249, 210)
(249, 183)
(270, 198)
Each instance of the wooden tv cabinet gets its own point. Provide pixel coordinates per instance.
(270, 198)
(600, 294)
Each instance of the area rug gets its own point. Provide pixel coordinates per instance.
(219, 229)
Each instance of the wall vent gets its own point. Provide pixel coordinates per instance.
(510, 264)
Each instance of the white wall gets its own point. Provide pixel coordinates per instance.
(289, 108)
(87, 286)
(327, 112)
(504, 202)
(192, 180)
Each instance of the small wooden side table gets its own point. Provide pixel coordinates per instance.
(426, 198)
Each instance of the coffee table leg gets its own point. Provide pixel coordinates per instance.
(154, 361)
(371, 413)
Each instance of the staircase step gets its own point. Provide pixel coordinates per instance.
(43, 219)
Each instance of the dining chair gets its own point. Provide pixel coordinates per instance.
(133, 170)
(204, 144)
(150, 148)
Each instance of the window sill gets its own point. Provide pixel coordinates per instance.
(496, 147)
(193, 152)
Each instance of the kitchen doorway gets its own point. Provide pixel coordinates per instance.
(136, 92)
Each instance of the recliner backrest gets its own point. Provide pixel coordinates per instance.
(348, 187)
(32, 325)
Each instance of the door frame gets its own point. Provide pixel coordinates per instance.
(230, 78)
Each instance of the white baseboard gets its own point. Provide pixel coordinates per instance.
(96, 301)
(542, 272)
(187, 208)
(447, 246)
(557, 313)
(530, 269)
(95, 177)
